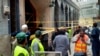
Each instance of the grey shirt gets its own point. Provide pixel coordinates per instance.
(35, 47)
(61, 43)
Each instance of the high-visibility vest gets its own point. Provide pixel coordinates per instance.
(20, 50)
(81, 46)
(40, 46)
(70, 33)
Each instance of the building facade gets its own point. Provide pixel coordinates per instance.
(35, 13)
(68, 13)
(46, 12)
(88, 11)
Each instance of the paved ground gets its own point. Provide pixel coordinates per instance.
(5, 49)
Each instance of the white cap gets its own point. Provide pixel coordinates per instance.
(24, 26)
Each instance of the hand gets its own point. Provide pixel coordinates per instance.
(82, 39)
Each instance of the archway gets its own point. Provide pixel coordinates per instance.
(66, 15)
(62, 20)
(70, 17)
(56, 14)
(14, 16)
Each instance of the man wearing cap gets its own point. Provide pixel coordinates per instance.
(36, 44)
(20, 48)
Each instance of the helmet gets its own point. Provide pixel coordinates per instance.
(21, 36)
(38, 33)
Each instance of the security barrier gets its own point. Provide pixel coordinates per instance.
(48, 53)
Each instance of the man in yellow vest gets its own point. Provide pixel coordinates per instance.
(69, 36)
(36, 44)
(81, 41)
(20, 48)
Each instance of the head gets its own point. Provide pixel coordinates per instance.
(62, 32)
(21, 38)
(66, 29)
(38, 34)
(82, 32)
(79, 27)
(56, 29)
(69, 28)
(94, 24)
(24, 28)
(85, 27)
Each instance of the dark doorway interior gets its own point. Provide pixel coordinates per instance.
(56, 14)
(13, 15)
(66, 15)
(30, 16)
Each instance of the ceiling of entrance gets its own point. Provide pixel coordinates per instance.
(40, 4)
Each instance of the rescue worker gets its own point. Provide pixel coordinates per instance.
(95, 40)
(69, 33)
(24, 28)
(20, 48)
(69, 36)
(36, 44)
(81, 41)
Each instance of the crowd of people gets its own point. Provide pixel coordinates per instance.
(28, 44)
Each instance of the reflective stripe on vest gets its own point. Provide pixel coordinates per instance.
(41, 48)
(20, 50)
(80, 46)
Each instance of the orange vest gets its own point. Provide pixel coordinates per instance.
(81, 46)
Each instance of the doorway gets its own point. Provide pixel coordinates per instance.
(30, 16)
(14, 16)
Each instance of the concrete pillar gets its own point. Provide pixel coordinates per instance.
(64, 16)
(5, 49)
(52, 16)
(48, 17)
(99, 6)
(3, 18)
(22, 12)
(59, 17)
(68, 16)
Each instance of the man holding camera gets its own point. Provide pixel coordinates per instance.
(81, 41)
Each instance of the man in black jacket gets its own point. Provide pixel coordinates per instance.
(95, 40)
